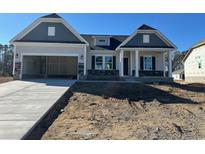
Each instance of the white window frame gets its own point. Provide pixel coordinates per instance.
(144, 63)
(51, 31)
(146, 38)
(103, 62)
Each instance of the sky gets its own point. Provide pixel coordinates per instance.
(184, 30)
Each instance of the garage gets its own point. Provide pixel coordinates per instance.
(50, 67)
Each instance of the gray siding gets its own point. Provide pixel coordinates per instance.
(155, 41)
(40, 34)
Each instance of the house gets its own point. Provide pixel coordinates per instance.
(194, 63)
(178, 74)
(50, 47)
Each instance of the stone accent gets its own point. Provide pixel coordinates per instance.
(17, 70)
(103, 75)
(81, 71)
(151, 73)
(103, 72)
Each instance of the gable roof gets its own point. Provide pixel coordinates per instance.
(53, 15)
(147, 29)
(199, 44)
(115, 41)
(52, 18)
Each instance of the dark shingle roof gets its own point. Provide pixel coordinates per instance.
(145, 27)
(115, 41)
(53, 15)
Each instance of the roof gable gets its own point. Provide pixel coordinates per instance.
(74, 36)
(155, 41)
(115, 41)
(158, 40)
(199, 44)
(53, 15)
(145, 27)
(40, 34)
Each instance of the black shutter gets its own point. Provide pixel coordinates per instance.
(141, 63)
(93, 62)
(153, 63)
(114, 62)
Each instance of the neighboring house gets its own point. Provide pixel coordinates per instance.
(194, 63)
(50, 47)
(178, 74)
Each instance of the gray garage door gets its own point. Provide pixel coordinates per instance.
(50, 66)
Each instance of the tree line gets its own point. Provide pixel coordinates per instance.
(6, 60)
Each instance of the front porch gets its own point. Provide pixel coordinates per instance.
(145, 63)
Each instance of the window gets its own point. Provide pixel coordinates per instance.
(103, 62)
(148, 63)
(108, 62)
(51, 31)
(102, 41)
(199, 65)
(99, 62)
(145, 38)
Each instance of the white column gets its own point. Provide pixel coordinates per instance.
(164, 64)
(130, 63)
(137, 63)
(170, 63)
(85, 65)
(14, 59)
(121, 72)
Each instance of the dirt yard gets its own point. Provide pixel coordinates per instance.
(132, 111)
(5, 79)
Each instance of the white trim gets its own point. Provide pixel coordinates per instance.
(146, 31)
(14, 60)
(85, 56)
(53, 20)
(164, 66)
(121, 63)
(44, 44)
(130, 63)
(170, 63)
(148, 49)
(137, 63)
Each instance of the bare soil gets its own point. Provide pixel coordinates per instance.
(132, 111)
(5, 79)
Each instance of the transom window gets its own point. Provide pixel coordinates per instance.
(145, 38)
(51, 31)
(102, 41)
(103, 62)
(147, 63)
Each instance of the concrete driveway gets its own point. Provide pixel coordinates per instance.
(23, 103)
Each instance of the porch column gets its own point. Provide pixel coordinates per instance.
(170, 63)
(14, 59)
(137, 63)
(121, 72)
(85, 65)
(130, 63)
(164, 64)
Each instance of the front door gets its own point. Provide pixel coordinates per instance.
(125, 66)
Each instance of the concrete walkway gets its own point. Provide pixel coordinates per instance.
(23, 103)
